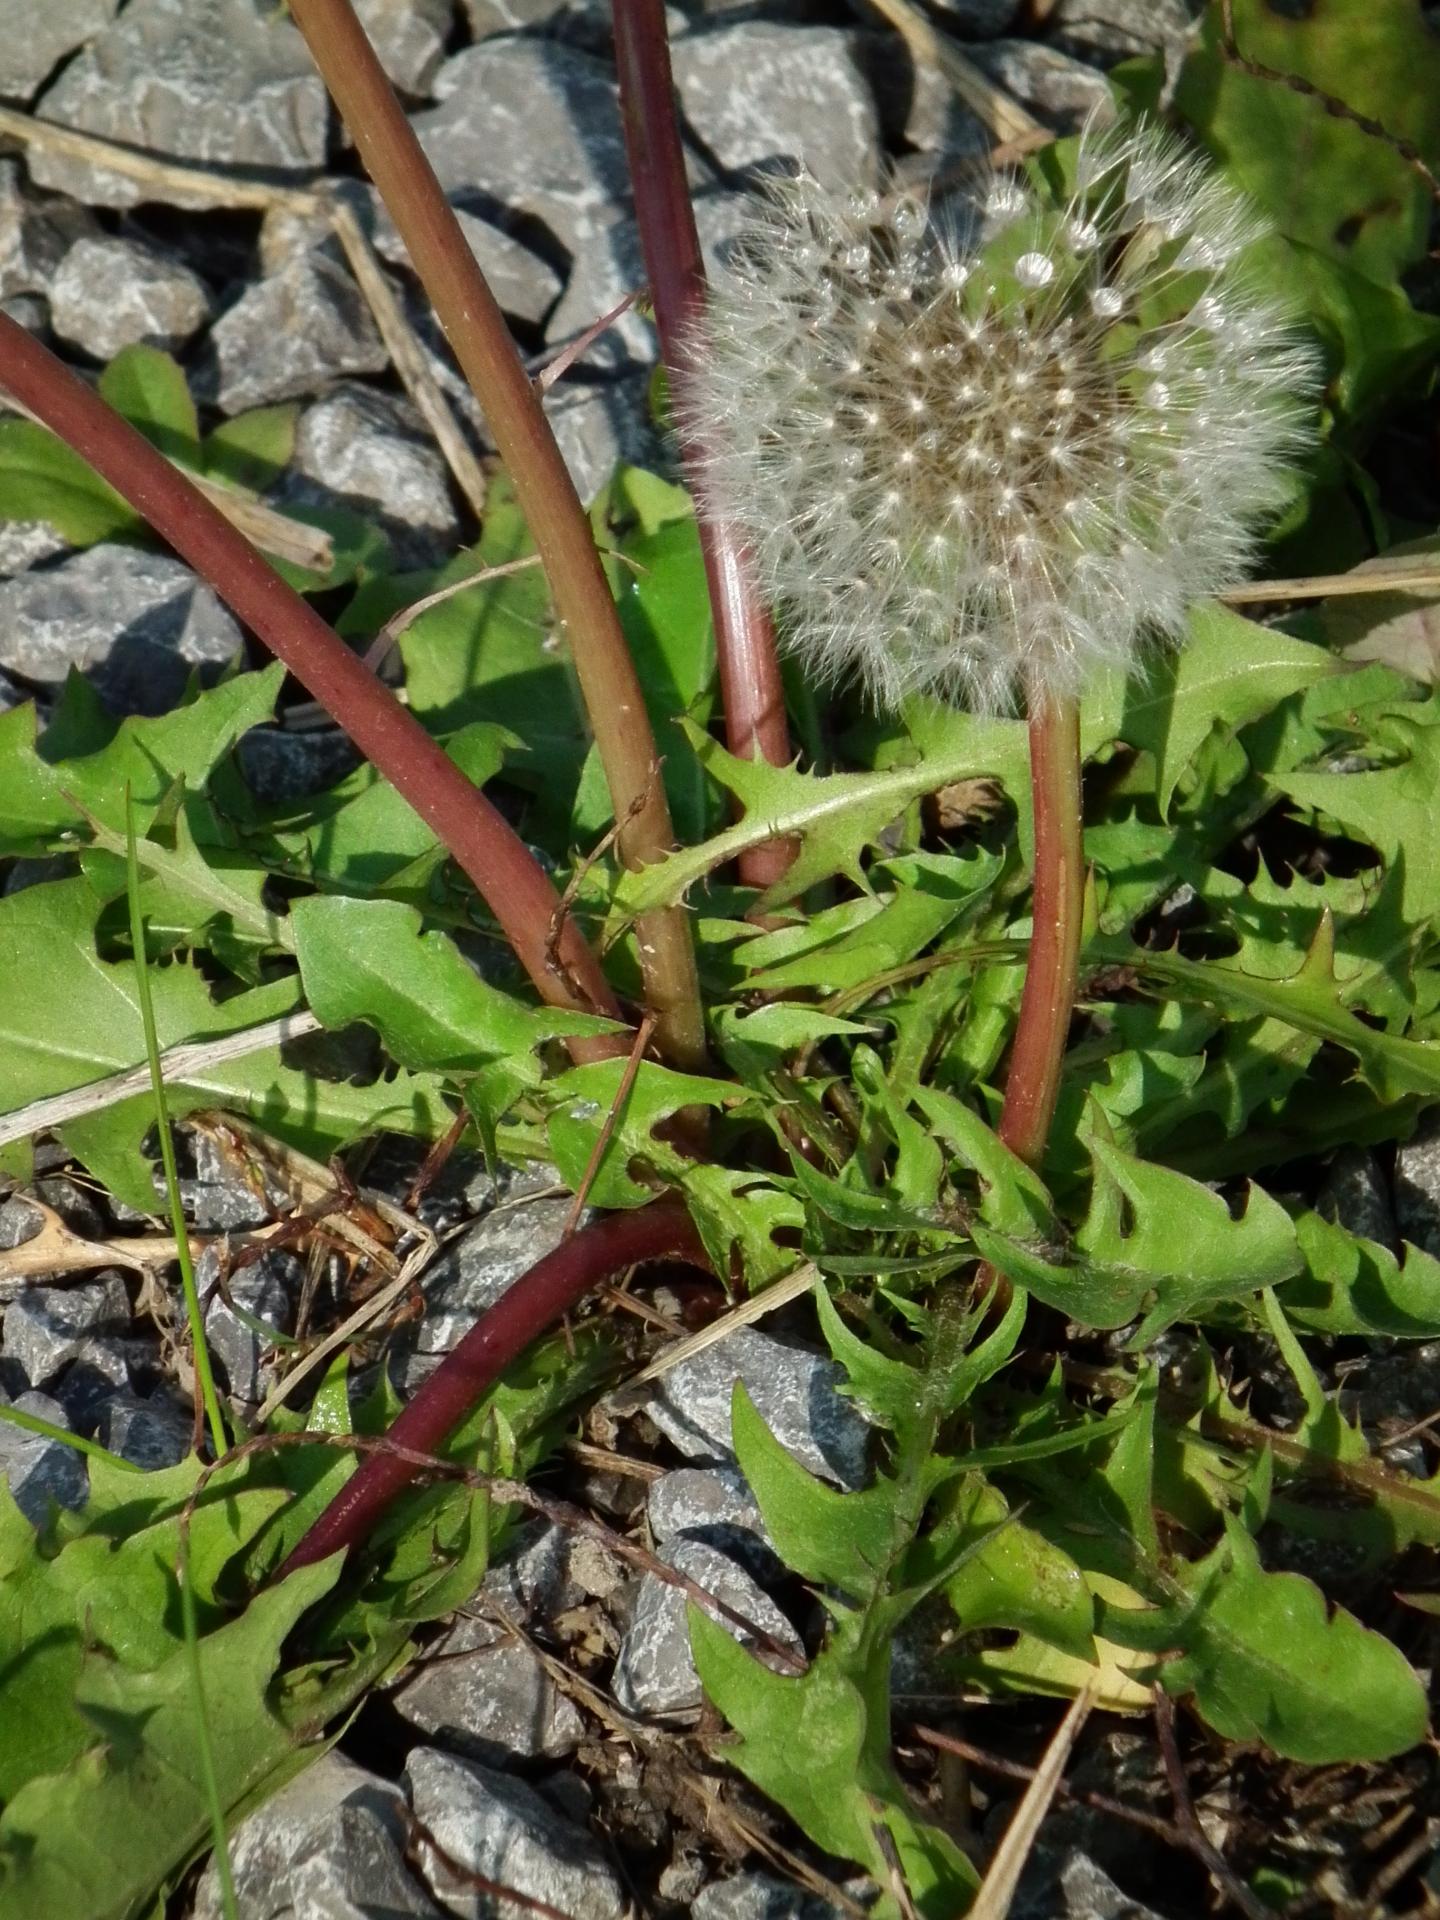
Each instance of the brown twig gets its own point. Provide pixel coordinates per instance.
(1226, 1879)
(473, 323)
(608, 1125)
(419, 1837)
(1016, 1770)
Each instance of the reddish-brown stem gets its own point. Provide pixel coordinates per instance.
(504, 871)
(535, 1302)
(1053, 970)
(750, 686)
(475, 327)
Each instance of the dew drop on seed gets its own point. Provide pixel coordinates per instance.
(908, 220)
(1034, 270)
(1108, 303)
(1005, 200)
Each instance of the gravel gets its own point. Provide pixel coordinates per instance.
(40, 1473)
(111, 293)
(34, 39)
(793, 1389)
(46, 1328)
(369, 451)
(37, 230)
(225, 83)
(804, 98)
(138, 623)
(482, 1693)
(326, 1847)
(290, 334)
(497, 1827)
(535, 127)
(655, 1675)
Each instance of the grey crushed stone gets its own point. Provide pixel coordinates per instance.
(266, 1290)
(110, 293)
(534, 126)
(481, 1263)
(290, 334)
(480, 1692)
(218, 82)
(1417, 1187)
(40, 1472)
(371, 452)
(137, 622)
(37, 230)
(655, 1674)
(804, 98)
(150, 1432)
(326, 1847)
(46, 1328)
(498, 1827)
(1057, 88)
(409, 36)
(759, 1896)
(36, 35)
(794, 1391)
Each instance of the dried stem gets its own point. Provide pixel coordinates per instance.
(1033, 1082)
(750, 686)
(505, 873)
(475, 327)
(536, 1301)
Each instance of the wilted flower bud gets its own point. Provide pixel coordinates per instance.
(993, 470)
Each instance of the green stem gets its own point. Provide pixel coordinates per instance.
(219, 1438)
(1053, 970)
(476, 329)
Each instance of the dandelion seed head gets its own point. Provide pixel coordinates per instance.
(980, 469)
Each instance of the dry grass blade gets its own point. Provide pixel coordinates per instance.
(993, 1900)
(778, 1294)
(177, 1064)
(56, 1249)
(1371, 576)
(1011, 123)
(350, 1328)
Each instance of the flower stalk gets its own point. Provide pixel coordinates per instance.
(473, 323)
(552, 1287)
(751, 691)
(503, 870)
(1047, 1000)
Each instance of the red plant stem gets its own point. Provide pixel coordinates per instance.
(1033, 1082)
(476, 329)
(750, 686)
(663, 1231)
(505, 873)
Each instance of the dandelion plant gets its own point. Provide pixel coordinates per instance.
(989, 456)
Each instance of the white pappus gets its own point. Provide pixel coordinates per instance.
(990, 471)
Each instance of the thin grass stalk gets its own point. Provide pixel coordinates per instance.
(555, 1284)
(1052, 973)
(476, 329)
(751, 691)
(194, 1313)
(503, 870)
